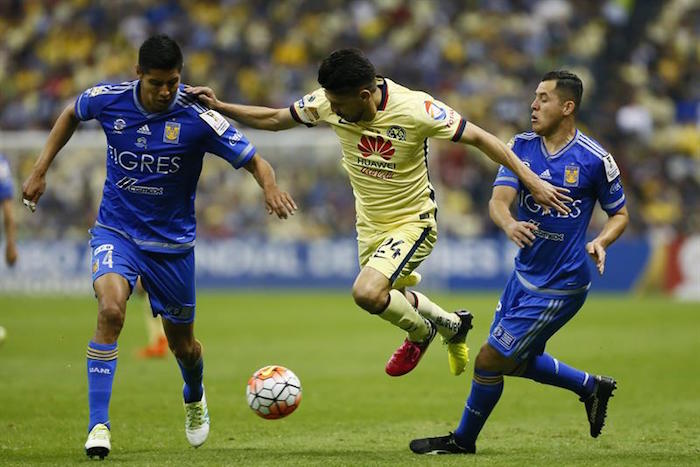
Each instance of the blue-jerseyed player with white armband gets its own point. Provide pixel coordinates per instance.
(551, 277)
(156, 140)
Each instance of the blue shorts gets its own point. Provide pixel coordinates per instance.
(525, 320)
(168, 278)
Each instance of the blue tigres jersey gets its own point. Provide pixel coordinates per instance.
(557, 259)
(6, 185)
(154, 162)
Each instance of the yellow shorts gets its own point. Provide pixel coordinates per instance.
(398, 252)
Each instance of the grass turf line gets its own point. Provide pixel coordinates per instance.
(351, 412)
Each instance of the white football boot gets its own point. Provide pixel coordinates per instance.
(197, 421)
(98, 442)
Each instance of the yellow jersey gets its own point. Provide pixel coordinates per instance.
(387, 158)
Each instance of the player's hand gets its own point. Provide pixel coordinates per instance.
(597, 252)
(279, 202)
(521, 233)
(32, 189)
(204, 94)
(551, 197)
(10, 254)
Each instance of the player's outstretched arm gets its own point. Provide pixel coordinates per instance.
(520, 232)
(62, 130)
(264, 118)
(612, 230)
(9, 221)
(547, 195)
(277, 201)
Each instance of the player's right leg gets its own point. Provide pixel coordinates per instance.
(372, 292)
(486, 390)
(113, 278)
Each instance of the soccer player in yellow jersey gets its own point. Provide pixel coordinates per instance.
(384, 129)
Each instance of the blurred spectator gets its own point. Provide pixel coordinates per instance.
(482, 56)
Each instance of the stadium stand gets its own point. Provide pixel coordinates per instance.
(640, 97)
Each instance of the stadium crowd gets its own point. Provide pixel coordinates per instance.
(639, 61)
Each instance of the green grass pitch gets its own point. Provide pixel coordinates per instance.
(351, 412)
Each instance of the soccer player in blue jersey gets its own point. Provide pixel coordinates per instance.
(156, 140)
(8, 218)
(551, 277)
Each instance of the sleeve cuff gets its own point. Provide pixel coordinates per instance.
(297, 118)
(460, 129)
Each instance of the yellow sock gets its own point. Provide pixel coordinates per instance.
(447, 323)
(402, 314)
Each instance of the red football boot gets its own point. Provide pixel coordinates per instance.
(158, 349)
(407, 356)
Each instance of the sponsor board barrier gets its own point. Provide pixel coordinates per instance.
(472, 264)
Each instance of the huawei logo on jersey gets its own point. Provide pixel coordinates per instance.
(375, 145)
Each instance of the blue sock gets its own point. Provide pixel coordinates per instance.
(192, 392)
(546, 369)
(487, 387)
(101, 365)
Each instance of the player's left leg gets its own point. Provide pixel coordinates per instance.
(169, 281)
(372, 291)
(188, 353)
(593, 390)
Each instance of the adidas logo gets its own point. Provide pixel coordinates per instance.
(144, 130)
(546, 175)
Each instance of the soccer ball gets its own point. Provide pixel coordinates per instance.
(273, 392)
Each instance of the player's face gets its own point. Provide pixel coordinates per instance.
(350, 107)
(158, 88)
(547, 109)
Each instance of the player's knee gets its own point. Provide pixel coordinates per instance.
(111, 316)
(489, 359)
(369, 298)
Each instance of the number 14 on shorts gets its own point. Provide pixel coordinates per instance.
(106, 259)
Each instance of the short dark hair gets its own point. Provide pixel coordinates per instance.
(346, 70)
(160, 52)
(568, 85)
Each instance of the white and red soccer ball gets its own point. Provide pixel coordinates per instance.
(273, 392)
